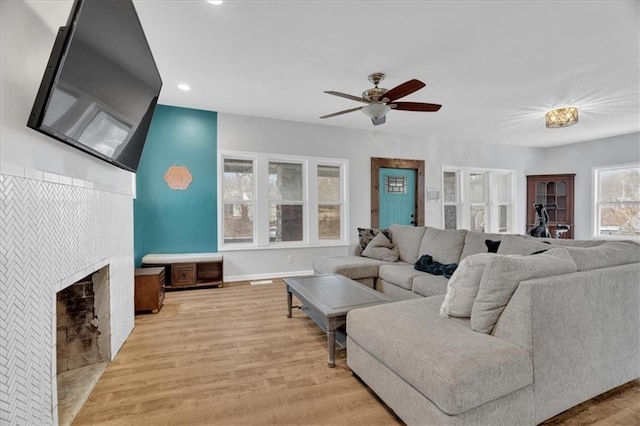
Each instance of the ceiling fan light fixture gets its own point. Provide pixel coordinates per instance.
(375, 111)
(561, 117)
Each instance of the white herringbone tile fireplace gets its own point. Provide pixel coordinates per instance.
(54, 230)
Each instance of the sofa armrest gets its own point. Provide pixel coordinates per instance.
(355, 250)
(582, 332)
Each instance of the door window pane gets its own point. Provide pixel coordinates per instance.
(396, 184)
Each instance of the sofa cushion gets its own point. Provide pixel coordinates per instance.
(514, 244)
(381, 248)
(443, 245)
(501, 277)
(354, 267)
(442, 358)
(612, 253)
(429, 285)
(474, 242)
(400, 275)
(463, 285)
(407, 239)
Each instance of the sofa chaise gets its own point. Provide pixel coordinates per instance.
(560, 336)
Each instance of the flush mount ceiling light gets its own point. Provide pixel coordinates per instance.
(561, 117)
(215, 2)
(184, 87)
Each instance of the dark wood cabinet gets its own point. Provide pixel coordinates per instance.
(555, 192)
(149, 291)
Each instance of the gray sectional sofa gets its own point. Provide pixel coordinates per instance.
(557, 339)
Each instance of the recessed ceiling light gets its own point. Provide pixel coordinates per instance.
(184, 87)
(215, 2)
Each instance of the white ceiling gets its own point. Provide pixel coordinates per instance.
(495, 66)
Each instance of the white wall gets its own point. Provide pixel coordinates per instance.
(63, 215)
(244, 133)
(581, 158)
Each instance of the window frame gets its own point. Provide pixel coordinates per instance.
(596, 203)
(262, 201)
(491, 203)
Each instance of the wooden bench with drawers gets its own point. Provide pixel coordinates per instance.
(188, 270)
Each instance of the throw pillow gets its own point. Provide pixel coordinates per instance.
(462, 288)
(367, 234)
(381, 248)
(492, 246)
(513, 244)
(503, 274)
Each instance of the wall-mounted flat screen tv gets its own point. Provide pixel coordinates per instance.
(101, 84)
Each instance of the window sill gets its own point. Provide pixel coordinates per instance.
(282, 246)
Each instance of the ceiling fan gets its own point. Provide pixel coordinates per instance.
(380, 101)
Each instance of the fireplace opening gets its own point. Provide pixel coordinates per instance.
(83, 340)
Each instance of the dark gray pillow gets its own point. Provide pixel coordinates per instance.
(367, 234)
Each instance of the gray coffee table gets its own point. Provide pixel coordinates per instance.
(327, 299)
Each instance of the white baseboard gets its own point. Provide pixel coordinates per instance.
(254, 277)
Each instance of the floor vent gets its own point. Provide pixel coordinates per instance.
(261, 282)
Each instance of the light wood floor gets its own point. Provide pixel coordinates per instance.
(230, 356)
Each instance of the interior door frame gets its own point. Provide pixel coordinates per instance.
(396, 163)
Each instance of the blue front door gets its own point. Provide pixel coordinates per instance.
(397, 196)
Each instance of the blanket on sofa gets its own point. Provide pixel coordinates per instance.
(427, 264)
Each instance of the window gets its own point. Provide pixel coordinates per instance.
(329, 202)
(271, 200)
(478, 199)
(450, 199)
(503, 199)
(237, 190)
(286, 203)
(617, 201)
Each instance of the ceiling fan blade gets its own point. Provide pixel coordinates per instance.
(378, 121)
(345, 95)
(404, 89)
(341, 112)
(415, 106)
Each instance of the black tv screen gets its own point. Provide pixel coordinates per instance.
(101, 84)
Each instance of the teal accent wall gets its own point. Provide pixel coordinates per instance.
(177, 221)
